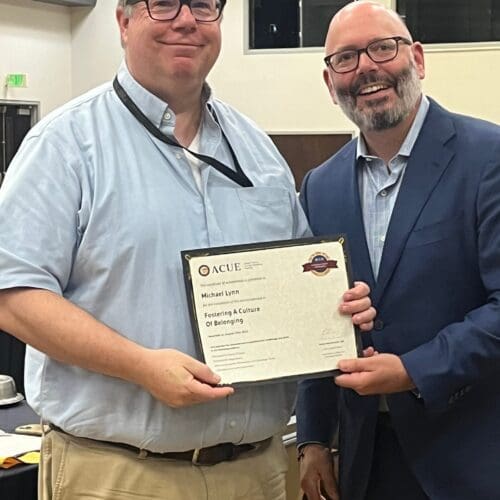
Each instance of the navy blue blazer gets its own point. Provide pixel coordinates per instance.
(438, 302)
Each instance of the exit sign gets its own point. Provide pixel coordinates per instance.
(16, 80)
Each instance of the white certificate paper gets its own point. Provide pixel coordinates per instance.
(270, 311)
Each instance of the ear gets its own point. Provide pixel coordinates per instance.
(123, 21)
(418, 56)
(329, 84)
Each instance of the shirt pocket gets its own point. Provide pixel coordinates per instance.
(267, 212)
(451, 227)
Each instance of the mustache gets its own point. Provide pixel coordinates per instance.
(371, 78)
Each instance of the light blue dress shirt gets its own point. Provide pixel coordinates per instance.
(97, 210)
(379, 185)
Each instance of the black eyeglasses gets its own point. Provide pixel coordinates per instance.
(383, 50)
(204, 11)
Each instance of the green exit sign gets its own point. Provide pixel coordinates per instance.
(16, 80)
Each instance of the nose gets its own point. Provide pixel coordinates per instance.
(185, 18)
(366, 64)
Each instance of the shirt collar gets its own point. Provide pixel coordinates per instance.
(410, 139)
(152, 106)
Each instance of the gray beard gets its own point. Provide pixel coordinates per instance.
(408, 88)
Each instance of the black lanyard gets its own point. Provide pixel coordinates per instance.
(237, 176)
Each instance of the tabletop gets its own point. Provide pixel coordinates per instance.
(19, 482)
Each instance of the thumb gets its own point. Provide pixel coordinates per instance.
(354, 365)
(202, 372)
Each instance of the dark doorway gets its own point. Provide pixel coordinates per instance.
(15, 121)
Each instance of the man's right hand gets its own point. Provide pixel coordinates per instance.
(65, 332)
(179, 380)
(317, 475)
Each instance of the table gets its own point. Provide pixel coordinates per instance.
(19, 482)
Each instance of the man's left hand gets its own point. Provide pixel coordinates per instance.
(357, 303)
(377, 374)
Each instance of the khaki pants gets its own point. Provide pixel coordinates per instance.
(74, 468)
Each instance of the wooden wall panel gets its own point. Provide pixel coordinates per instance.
(306, 151)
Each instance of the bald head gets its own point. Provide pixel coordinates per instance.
(369, 19)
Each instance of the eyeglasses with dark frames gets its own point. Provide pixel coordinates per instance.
(204, 11)
(379, 51)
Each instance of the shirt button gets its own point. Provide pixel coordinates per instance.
(167, 116)
(178, 156)
(382, 239)
(232, 424)
(383, 193)
(378, 325)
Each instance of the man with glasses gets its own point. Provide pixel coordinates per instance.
(418, 195)
(100, 200)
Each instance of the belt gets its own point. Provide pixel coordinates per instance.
(211, 455)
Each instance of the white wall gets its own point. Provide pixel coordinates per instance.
(96, 50)
(36, 39)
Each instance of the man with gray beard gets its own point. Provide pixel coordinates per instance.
(418, 196)
(100, 200)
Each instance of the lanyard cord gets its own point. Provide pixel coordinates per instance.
(237, 176)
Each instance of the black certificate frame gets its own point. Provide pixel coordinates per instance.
(187, 255)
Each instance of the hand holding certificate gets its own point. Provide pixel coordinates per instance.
(270, 311)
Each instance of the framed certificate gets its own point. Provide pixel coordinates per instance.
(269, 311)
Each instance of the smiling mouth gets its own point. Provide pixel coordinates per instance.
(180, 44)
(372, 89)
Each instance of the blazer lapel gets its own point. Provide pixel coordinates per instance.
(427, 163)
